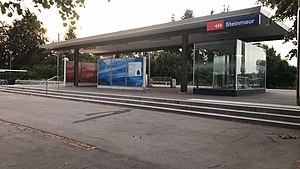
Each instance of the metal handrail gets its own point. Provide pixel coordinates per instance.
(48, 81)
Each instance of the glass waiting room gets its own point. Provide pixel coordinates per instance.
(231, 67)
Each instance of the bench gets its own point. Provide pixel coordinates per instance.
(3, 82)
(163, 80)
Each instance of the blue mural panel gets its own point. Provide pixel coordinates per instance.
(104, 72)
(119, 72)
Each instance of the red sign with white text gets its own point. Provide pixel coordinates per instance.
(215, 25)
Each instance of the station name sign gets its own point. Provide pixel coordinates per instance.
(233, 23)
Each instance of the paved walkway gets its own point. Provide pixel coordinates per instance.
(272, 96)
(128, 138)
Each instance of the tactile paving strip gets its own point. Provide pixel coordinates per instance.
(57, 137)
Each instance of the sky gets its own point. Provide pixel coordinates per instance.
(101, 16)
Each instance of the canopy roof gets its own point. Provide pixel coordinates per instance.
(169, 35)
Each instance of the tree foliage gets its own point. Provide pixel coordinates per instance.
(279, 73)
(4, 51)
(45, 69)
(3, 31)
(173, 17)
(66, 8)
(166, 63)
(25, 36)
(285, 10)
(70, 34)
(188, 13)
(23, 39)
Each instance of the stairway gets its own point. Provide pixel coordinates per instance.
(267, 114)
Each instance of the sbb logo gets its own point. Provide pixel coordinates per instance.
(218, 26)
(215, 25)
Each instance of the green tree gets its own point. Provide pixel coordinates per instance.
(279, 73)
(86, 57)
(4, 51)
(70, 34)
(45, 69)
(66, 8)
(285, 10)
(188, 13)
(3, 31)
(166, 63)
(173, 17)
(25, 36)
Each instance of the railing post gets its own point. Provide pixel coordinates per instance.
(46, 87)
(48, 81)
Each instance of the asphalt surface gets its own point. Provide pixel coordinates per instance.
(133, 138)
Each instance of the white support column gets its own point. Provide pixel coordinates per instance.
(65, 70)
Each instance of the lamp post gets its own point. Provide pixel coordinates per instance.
(10, 54)
(57, 71)
(149, 69)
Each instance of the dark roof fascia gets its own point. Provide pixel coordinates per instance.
(175, 28)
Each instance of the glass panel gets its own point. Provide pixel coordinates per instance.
(229, 65)
(215, 65)
(222, 78)
(251, 67)
(204, 68)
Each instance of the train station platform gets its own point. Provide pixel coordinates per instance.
(271, 96)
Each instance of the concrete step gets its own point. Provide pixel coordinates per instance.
(256, 107)
(171, 105)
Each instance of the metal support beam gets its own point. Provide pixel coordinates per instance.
(57, 69)
(149, 68)
(196, 67)
(298, 55)
(76, 61)
(10, 53)
(184, 55)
